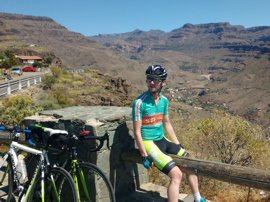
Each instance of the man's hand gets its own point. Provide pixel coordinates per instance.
(147, 162)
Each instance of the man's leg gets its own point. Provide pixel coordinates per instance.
(194, 185)
(193, 182)
(192, 178)
(173, 190)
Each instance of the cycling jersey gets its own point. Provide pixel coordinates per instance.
(151, 114)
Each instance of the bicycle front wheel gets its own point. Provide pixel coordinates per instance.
(93, 185)
(59, 186)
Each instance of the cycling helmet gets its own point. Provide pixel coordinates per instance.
(156, 71)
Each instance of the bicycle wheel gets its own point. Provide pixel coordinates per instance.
(93, 184)
(8, 180)
(59, 186)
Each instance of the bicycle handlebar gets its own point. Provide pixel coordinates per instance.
(83, 135)
(101, 139)
(15, 131)
(36, 127)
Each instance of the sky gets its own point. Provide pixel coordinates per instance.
(92, 17)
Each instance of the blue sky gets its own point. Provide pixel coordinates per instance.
(91, 17)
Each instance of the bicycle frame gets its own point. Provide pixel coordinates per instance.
(73, 162)
(39, 169)
(74, 168)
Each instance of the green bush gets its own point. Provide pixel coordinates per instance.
(56, 71)
(16, 108)
(49, 104)
(48, 59)
(48, 81)
(61, 94)
(9, 59)
(222, 137)
(37, 64)
(229, 139)
(46, 101)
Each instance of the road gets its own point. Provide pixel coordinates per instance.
(25, 74)
(26, 80)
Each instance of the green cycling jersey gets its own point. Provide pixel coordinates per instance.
(151, 114)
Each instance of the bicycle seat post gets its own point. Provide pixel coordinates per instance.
(72, 146)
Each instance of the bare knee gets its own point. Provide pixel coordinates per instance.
(176, 175)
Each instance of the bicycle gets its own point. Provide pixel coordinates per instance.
(91, 183)
(49, 183)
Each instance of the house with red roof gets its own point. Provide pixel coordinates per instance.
(29, 59)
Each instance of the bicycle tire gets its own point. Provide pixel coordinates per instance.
(11, 185)
(64, 186)
(95, 180)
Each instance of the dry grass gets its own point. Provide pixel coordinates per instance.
(212, 189)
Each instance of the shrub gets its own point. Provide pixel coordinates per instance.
(9, 59)
(37, 64)
(46, 101)
(56, 71)
(48, 81)
(222, 137)
(16, 108)
(48, 59)
(229, 139)
(61, 94)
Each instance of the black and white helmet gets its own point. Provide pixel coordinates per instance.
(156, 71)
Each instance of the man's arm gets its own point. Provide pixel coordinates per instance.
(169, 129)
(138, 137)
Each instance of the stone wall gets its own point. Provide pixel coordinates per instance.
(124, 176)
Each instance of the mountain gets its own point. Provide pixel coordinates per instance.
(230, 62)
(235, 59)
(201, 45)
(19, 32)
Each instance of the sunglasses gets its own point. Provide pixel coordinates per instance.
(154, 79)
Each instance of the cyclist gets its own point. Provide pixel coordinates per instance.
(150, 118)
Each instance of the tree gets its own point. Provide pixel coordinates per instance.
(12, 60)
(47, 59)
(8, 59)
(2, 56)
(37, 64)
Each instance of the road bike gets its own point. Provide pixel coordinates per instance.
(49, 183)
(91, 184)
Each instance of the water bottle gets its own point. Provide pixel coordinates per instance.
(21, 169)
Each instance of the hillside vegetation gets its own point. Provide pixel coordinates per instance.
(219, 136)
(62, 89)
(89, 88)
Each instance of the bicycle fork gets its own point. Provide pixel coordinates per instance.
(74, 169)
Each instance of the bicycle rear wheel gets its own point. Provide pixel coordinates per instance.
(59, 186)
(93, 184)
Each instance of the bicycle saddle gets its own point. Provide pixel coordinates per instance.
(55, 131)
